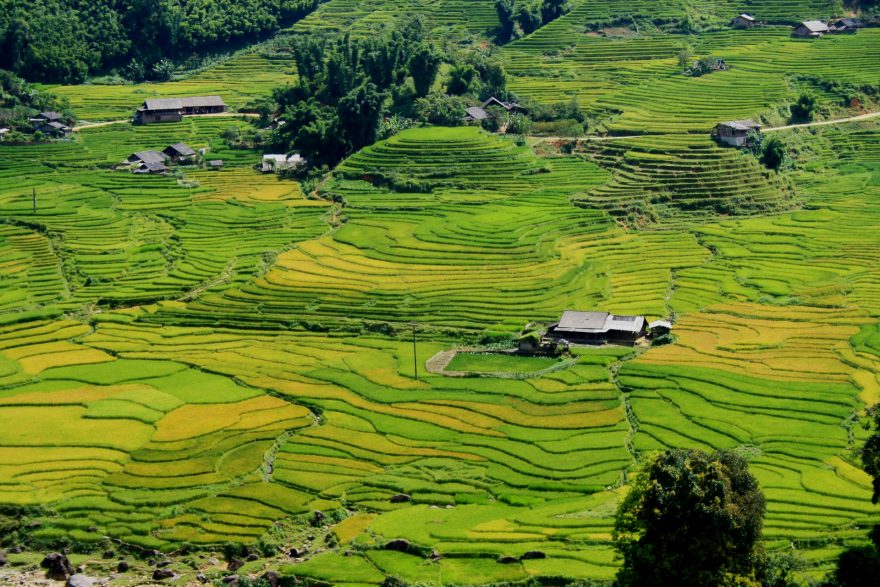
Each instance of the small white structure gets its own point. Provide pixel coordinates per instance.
(273, 163)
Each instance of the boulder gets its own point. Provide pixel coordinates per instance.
(507, 560)
(80, 581)
(160, 574)
(123, 567)
(296, 552)
(109, 554)
(213, 561)
(400, 498)
(163, 564)
(231, 580)
(57, 566)
(234, 564)
(435, 555)
(532, 555)
(400, 545)
(201, 578)
(272, 578)
(252, 557)
(3, 560)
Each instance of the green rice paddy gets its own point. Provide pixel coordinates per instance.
(189, 362)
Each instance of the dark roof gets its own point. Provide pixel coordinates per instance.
(179, 103)
(181, 149)
(477, 113)
(741, 124)
(493, 101)
(54, 127)
(598, 322)
(850, 23)
(147, 157)
(153, 166)
(50, 115)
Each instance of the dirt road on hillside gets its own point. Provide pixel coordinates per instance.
(128, 120)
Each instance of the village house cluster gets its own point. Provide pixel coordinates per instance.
(810, 28)
(156, 162)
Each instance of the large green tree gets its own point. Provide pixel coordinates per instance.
(691, 519)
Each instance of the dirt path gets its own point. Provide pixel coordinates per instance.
(826, 122)
(867, 116)
(128, 120)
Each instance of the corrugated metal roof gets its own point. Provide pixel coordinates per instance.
(816, 26)
(179, 103)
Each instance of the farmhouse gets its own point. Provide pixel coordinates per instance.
(151, 167)
(475, 114)
(273, 163)
(845, 25)
(735, 132)
(810, 29)
(146, 157)
(179, 152)
(743, 21)
(174, 109)
(509, 106)
(215, 164)
(54, 128)
(45, 118)
(597, 328)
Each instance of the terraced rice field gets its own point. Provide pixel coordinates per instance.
(195, 359)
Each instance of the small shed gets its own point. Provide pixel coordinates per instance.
(659, 327)
(3, 132)
(178, 152)
(272, 163)
(215, 164)
(743, 21)
(735, 132)
(810, 29)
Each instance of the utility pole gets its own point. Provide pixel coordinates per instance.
(415, 353)
(35, 200)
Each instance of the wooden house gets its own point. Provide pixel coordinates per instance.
(810, 29)
(597, 328)
(54, 129)
(508, 106)
(179, 152)
(743, 21)
(845, 26)
(659, 327)
(215, 164)
(735, 132)
(174, 109)
(151, 167)
(475, 114)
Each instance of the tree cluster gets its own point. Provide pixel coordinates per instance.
(692, 519)
(527, 17)
(351, 92)
(68, 40)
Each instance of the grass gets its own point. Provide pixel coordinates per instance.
(498, 363)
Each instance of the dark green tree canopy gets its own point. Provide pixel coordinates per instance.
(690, 519)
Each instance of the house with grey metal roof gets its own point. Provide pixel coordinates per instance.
(743, 21)
(597, 328)
(174, 109)
(810, 29)
(475, 114)
(147, 157)
(735, 132)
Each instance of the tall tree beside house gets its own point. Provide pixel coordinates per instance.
(691, 519)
